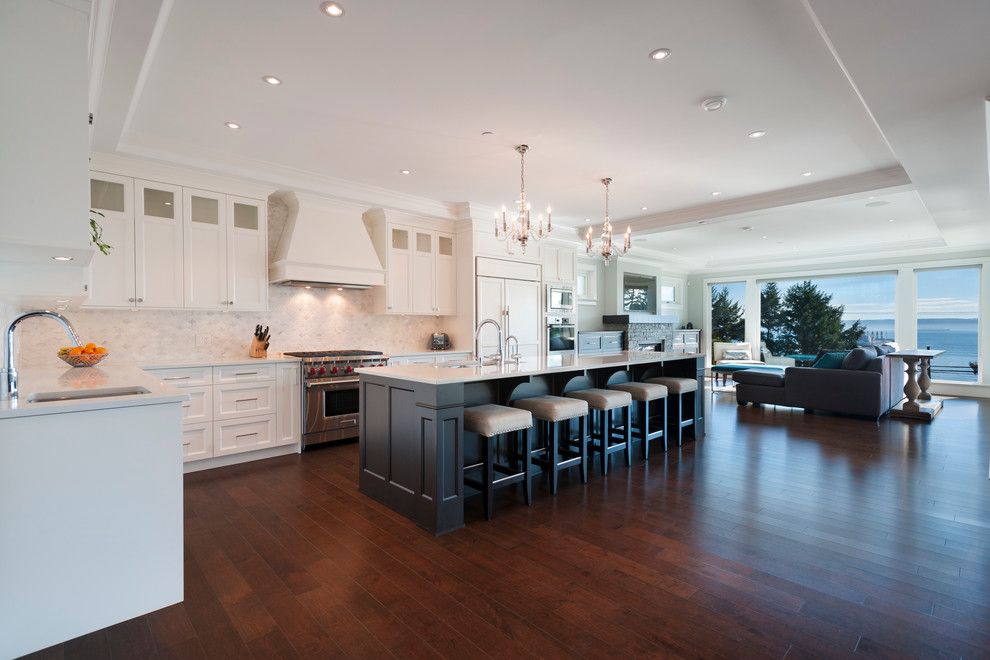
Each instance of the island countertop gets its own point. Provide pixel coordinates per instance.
(528, 366)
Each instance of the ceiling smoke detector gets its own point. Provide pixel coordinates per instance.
(713, 103)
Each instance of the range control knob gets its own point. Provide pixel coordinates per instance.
(349, 369)
(312, 371)
(333, 370)
(323, 371)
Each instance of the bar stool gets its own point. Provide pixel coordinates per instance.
(680, 387)
(559, 453)
(642, 395)
(602, 403)
(490, 422)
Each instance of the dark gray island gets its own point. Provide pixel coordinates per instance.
(413, 442)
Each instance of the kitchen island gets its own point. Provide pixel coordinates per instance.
(413, 443)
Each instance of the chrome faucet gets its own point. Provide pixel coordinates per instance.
(8, 376)
(512, 356)
(477, 341)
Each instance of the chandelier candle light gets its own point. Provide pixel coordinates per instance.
(521, 231)
(606, 249)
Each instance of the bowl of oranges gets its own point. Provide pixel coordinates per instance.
(83, 356)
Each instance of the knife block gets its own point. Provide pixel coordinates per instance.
(259, 349)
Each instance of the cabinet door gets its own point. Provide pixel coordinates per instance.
(491, 305)
(523, 319)
(240, 435)
(247, 255)
(589, 342)
(111, 276)
(550, 255)
(566, 265)
(205, 249)
(197, 441)
(158, 244)
(399, 293)
(289, 406)
(446, 276)
(423, 283)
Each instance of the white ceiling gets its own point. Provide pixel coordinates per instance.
(411, 85)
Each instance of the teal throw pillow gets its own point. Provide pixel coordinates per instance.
(830, 360)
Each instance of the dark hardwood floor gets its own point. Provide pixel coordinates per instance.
(780, 535)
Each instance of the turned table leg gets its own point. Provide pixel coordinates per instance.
(925, 379)
(911, 387)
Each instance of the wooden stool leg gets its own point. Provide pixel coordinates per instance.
(629, 434)
(552, 443)
(582, 422)
(489, 490)
(645, 426)
(526, 446)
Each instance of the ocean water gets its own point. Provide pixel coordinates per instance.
(959, 338)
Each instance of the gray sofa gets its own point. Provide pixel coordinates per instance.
(868, 391)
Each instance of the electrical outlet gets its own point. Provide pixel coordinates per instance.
(203, 340)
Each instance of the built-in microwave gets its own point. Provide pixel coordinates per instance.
(560, 299)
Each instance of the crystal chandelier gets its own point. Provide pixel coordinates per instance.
(606, 249)
(521, 230)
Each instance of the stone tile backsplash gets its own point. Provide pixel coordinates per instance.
(300, 319)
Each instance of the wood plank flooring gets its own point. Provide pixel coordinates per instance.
(780, 535)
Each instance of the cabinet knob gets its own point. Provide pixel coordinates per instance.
(140, 299)
(130, 300)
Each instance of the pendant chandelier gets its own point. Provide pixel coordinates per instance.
(606, 249)
(521, 230)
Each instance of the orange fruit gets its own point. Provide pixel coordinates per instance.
(90, 346)
(76, 350)
(100, 350)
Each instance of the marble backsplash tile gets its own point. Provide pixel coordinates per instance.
(300, 319)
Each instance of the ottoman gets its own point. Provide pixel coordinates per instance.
(758, 386)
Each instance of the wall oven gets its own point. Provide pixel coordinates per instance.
(560, 299)
(561, 334)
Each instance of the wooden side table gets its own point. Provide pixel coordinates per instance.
(919, 404)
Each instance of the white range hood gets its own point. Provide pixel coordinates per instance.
(324, 244)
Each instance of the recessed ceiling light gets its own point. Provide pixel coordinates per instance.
(61, 302)
(676, 249)
(762, 236)
(587, 219)
(232, 124)
(713, 103)
(701, 222)
(891, 220)
(487, 133)
(340, 288)
(757, 134)
(881, 202)
(168, 203)
(332, 9)
(307, 287)
(805, 173)
(642, 208)
(716, 193)
(405, 172)
(271, 80)
(660, 54)
(747, 228)
(60, 258)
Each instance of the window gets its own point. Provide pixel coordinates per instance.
(668, 294)
(948, 320)
(728, 304)
(804, 316)
(586, 286)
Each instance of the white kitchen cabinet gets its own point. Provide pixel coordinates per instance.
(247, 255)
(398, 280)
(446, 275)
(111, 276)
(243, 400)
(205, 249)
(158, 244)
(559, 264)
(197, 441)
(241, 435)
(289, 404)
(429, 358)
(515, 304)
(199, 407)
(423, 275)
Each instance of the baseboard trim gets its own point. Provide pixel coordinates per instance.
(234, 459)
(974, 390)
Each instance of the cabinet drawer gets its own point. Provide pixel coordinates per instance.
(589, 343)
(236, 436)
(243, 400)
(243, 373)
(453, 357)
(197, 442)
(184, 376)
(199, 407)
(612, 343)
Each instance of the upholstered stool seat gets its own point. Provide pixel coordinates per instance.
(490, 422)
(552, 408)
(559, 450)
(679, 386)
(644, 395)
(604, 433)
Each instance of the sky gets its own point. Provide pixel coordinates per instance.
(945, 293)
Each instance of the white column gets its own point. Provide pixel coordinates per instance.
(906, 308)
(984, 323)
(752, 315)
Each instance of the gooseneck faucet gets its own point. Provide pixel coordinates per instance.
(8, 376)
(477, 340)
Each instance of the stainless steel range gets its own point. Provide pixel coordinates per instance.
(330, 393)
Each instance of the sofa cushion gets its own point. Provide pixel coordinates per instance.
(758, 377)
(859, 358)
(830, 360)
(737, 354)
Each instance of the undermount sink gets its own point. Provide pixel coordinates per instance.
(99, 393)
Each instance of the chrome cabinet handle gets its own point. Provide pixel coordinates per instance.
(246, 373)
(176, 378)
(244, 400)
(186, 444)
(140, 299)
(130, 300)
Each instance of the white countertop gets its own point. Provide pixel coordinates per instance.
(34, 380)
(528, 366)
(215, 362)
(423, 353)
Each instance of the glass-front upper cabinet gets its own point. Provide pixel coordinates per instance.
(111, 281)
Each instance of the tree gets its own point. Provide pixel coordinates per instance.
(773, 319)
(813, 323)
(727, 317)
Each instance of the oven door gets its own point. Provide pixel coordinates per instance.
(332, 410)
(561, 338)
